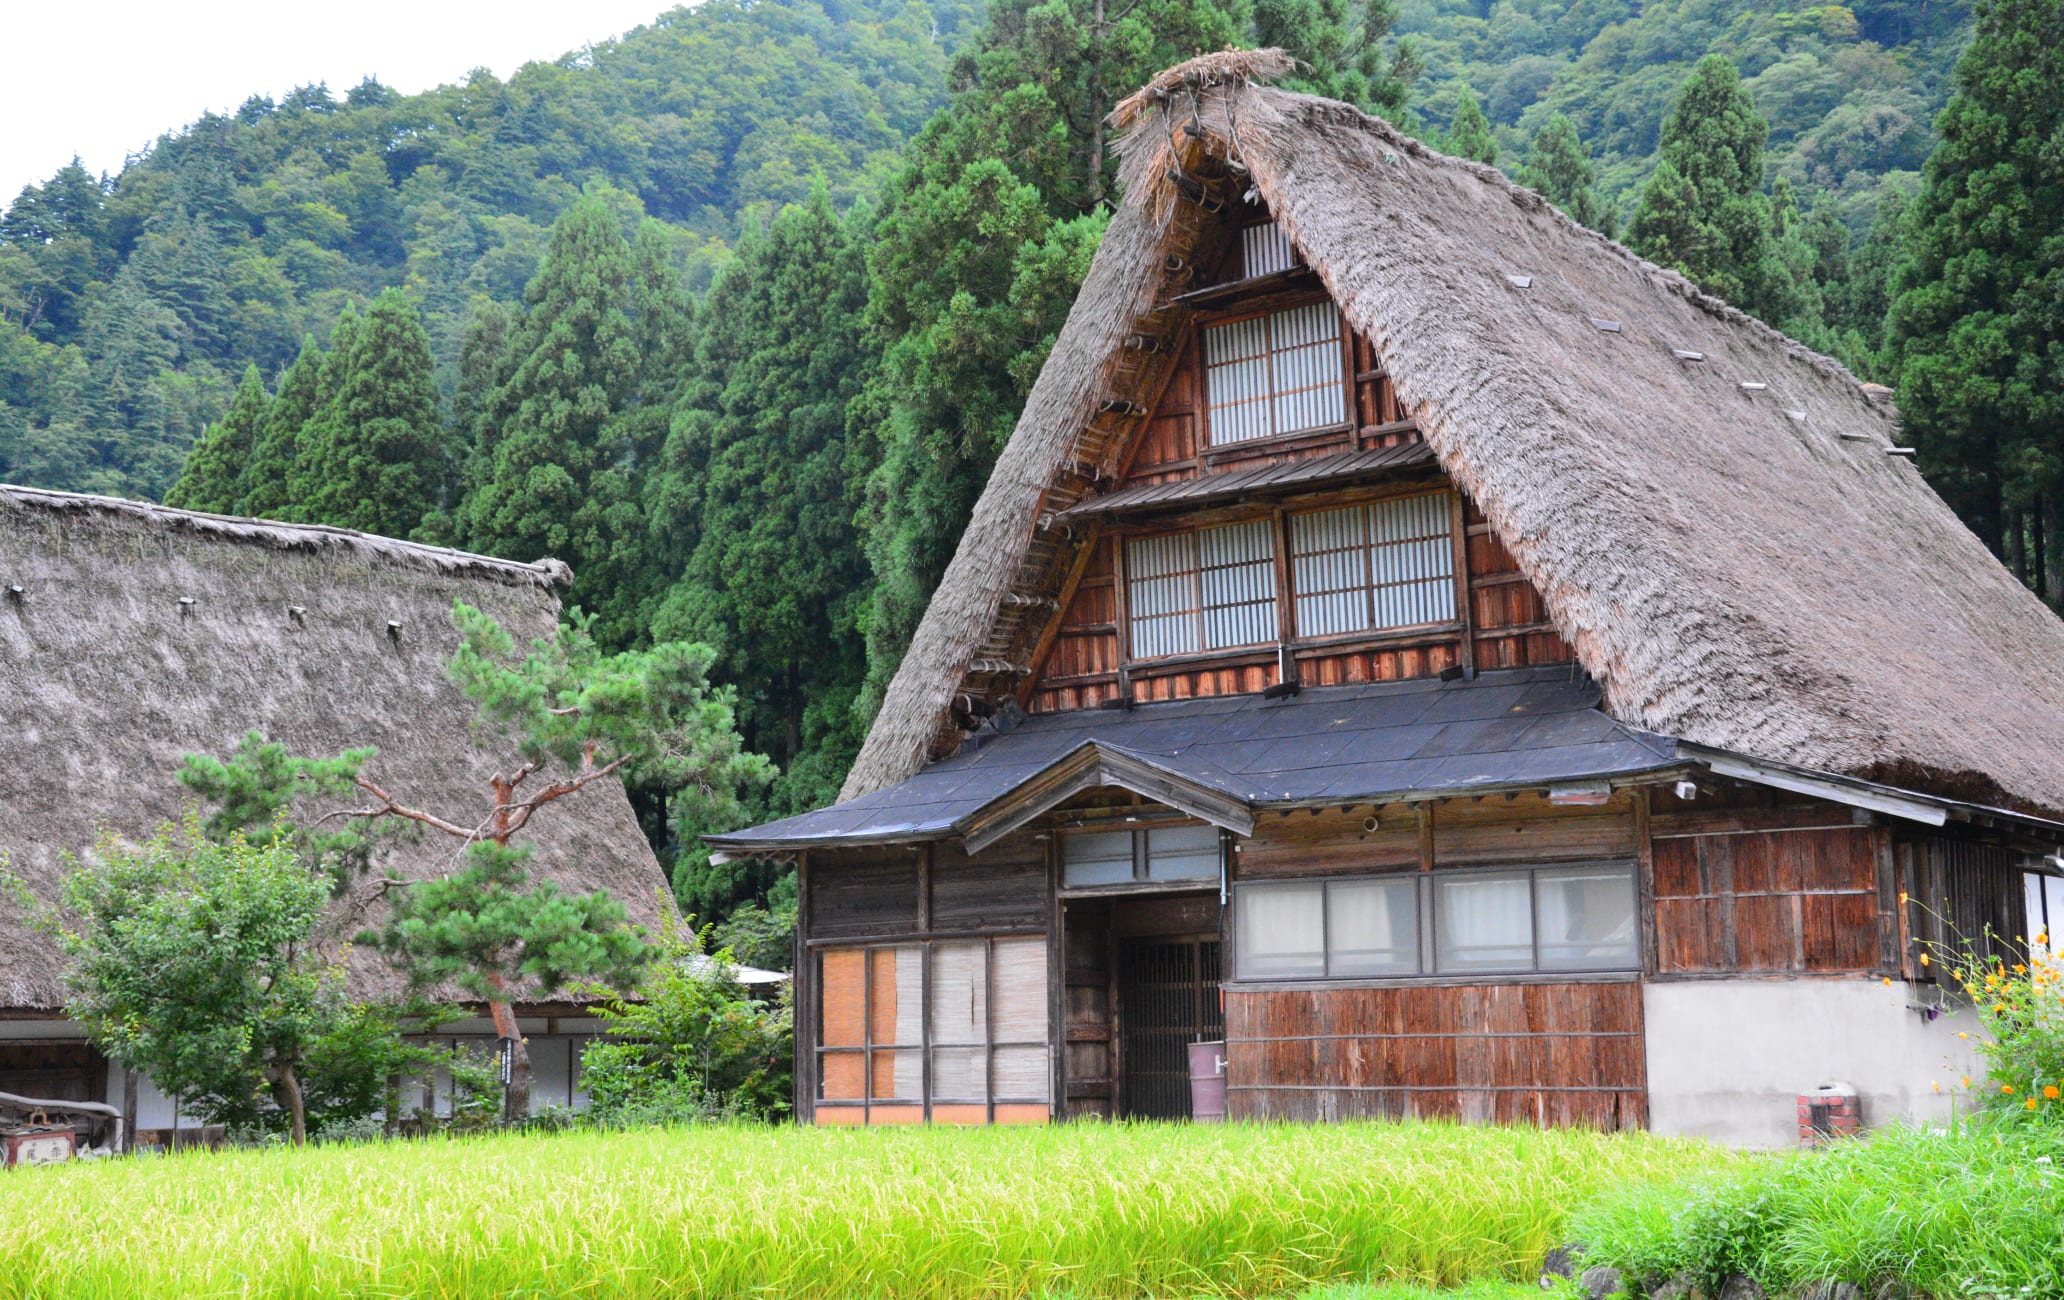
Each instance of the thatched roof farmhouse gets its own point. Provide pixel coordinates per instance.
(133, 634)
(1418, 658)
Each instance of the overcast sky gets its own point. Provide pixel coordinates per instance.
(104, 78)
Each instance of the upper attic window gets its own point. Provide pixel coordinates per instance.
(1265, 250)
(1278, 373)
(1210, 589)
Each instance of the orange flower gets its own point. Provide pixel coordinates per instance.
(1924, 959)
(2050, 1092)
(1888, 981)
(1936, 1086)
(2030, 1103)
(2007, 1088)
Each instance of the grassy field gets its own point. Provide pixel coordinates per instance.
(719, 1212)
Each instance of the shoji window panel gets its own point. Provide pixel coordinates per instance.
(1275, 374)
(1390, 564)
(1211, 589)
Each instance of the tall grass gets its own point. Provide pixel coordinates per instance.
(1077, 1210)
(1974, 1211)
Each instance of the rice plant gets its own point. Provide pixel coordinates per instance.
(721, 1211)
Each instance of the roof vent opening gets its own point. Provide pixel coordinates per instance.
(16, 593)
(1751, 386)
(394, 630)
(1521, 281)
(297, 615)
(1907, 452)
(186, 606)
(1605, 326)
(1856, 437)
(1797, 416)
(1686, 354)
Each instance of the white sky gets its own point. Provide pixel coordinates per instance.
(104, 78)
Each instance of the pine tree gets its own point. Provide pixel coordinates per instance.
(304, 480)
(373, 457)
(1342, 47)
(1703, 210)
(554, 471)
(1558, 166)
(262, 488)
(984, 237)
(1975, 333)
(1469, 134)
(214, 468)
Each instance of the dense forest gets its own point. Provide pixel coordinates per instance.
(734, 313)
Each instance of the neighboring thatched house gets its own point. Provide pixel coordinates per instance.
(132, 635)
(1456, 662)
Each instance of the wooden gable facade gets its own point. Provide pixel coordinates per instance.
(1264, 530)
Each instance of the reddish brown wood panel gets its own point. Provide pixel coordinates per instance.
(1081, 670)
(1377, 664)
(1551, 1054)
(1775, 901)
(1198, 683)
(1510, 618)
(1169, 445)
(1466, 832)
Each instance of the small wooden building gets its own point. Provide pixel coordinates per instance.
(1459, 665)
(132, 634)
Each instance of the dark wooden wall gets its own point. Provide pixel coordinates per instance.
(56, 1070)
(1771, 900)
(1544, 1053)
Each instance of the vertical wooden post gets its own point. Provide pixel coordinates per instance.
(924, 982)
(1424, 812)
(804, 981)
(1465, 597)
(1121, 611)
(1644, 850)
(1056, 984)
(1286, 608)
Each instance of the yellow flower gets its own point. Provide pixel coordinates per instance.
(1888, 981)
(1936, 1086)
(2030, 1103)
(1961, 1034)
(1902, 897)
(2019, 969)
(1967, 1081)
(1999, 1008)
(1924, 959)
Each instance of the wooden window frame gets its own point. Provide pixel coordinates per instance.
(867, 1103)
(1205, 322)
(1370, 586)
(1142, 861)
(1198, 610)
(1427, 904)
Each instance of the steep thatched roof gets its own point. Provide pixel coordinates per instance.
(1744, 567)
(107, 679)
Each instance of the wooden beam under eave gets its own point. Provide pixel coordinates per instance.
(1043, 650)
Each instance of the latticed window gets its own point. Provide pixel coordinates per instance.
(1210, 589)
(1275, 374)
(1389, 564)
(1265, 250)
(980, 1041)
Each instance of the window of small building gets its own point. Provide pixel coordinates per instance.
(1278, 373)
(1206, 589)
(1155, 854)
(2045, 913)
(1375, 567)
(983, 1031)
(1265, 250)
(1513, 922)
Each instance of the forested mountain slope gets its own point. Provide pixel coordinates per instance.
(127, 313)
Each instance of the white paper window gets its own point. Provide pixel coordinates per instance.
(1386, 565)
(1281, 931)
(1265, 250)
(1584, 918)
(1186, 852)
(2046, 914)
(1372, 927)
(1484, 922)
(1212, 589)
(1275, 374)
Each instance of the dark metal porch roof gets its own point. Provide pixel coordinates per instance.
(1275, 478)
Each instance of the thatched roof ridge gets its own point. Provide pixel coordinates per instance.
(296, 537)
(141, 634)
(1742, 567)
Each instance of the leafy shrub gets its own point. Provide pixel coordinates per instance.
(1977, 1210)
(691, 1045)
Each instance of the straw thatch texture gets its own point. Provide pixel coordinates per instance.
(105, 683)
(1733, 568)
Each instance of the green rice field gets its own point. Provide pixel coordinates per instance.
(1079, 1210)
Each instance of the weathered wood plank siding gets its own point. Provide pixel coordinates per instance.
(1557, 1054)
(1767, 901)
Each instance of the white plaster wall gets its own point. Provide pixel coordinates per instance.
(1727, 1059)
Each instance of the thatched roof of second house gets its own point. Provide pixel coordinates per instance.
(1709, 508)
(133, 634)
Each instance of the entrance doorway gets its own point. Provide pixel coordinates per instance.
(1168, 998)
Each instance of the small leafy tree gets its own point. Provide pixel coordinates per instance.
(570, 717)
(2020, 1016)
(195, 961)
(691, 1044)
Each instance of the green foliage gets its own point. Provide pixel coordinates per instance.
(690, 1044)
(763, 935)
(230, 240)
(492, 930)
(1469, 134)
(196, 962)
(580, 406)
(717, 1211)
(1976, 335)
(372, 457)
(2020, 1026)
(255, 791)
(1704, 211)
(263, 487)
(209, 480)
(1557, 166)
(1972, 1211)
(1342, 45)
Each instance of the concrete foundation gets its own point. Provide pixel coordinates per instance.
(1728, 1059)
